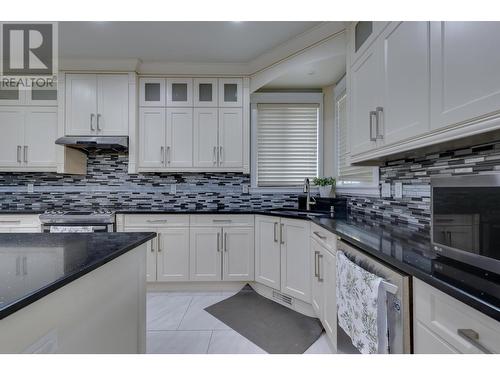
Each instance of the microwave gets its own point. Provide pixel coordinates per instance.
(465, 219)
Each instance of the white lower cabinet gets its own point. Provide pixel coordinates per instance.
(19, 224)
(238, 259)
(446, 325)
(282, 255)
(205, 254)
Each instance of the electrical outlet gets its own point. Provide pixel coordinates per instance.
(173, 189)
(31, 188)
(245, 188)
(386, 190)
(398, 190)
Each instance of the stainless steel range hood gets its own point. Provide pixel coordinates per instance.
(86, 143)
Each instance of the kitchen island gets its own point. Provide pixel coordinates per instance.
(73, 292)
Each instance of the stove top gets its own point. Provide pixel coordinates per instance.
(79, 217)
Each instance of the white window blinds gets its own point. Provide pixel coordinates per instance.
(287, 144)
(347, 174)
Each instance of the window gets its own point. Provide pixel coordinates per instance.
(285, 147)
(349, 177)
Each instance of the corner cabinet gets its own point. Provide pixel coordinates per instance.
(406, 89)
(203, 127)
(96, 104)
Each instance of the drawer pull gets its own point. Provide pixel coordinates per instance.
(10, 221)
(320, 235)
(157, 221)
(222, 221)
(472, 338)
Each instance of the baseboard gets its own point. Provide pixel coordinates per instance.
(196, 286)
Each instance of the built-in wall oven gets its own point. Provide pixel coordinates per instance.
(77, 221)
(465, 219)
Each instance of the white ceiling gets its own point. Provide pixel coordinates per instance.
(200, 42)
(315, 75)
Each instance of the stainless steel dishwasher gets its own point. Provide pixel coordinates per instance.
(398, 304)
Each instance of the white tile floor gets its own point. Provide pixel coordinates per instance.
(178, 324)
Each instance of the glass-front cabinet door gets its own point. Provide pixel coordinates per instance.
(230, 92)
(205, 92)
(43, 96)
(152, 92)
(11, 95)
(179, 92)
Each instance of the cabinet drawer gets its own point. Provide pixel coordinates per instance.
(445, 316)
(19, 221)
(222, 220)
(324, 237)
(156, 220)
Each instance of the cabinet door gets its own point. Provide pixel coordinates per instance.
(366, 84)
(230, 138)
(112, 104)
(40, 133)
(11, 95)
(81, 104)
(328, 277)
(465, 69)
(205, 137)
(179, 92)
(152, 92)
(12, 136)
(362, 34)
(205, 257)
(295, 259)
(267, 251)
(152, 137)
(406, 50)
(205, 92)
(317, 293)
(230, 92)
(238, 259)
(179, 152)
(173, 254)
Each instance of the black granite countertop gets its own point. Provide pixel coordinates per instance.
(401, 247)
(33, 265)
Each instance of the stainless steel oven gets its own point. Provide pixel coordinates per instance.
(77, 221)
(465, 219)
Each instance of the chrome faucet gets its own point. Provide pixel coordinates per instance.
(307, 191)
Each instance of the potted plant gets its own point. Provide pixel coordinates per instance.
(326, 186)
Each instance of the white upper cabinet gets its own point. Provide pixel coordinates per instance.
(206, 92)
(12, 139)
(11, 95)
(230, 92)
(152, 92)
(365, 85)
(363, 34)
(465, 71)
(96, 104)
(405, 111)
(39, 136)
(206, 142)
(42, 96)
(152, 137)
(112, 104)
(230, 138)
(81, 104)
(179, 151)
(179, 92)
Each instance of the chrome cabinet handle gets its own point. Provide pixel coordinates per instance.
(157, 221)
(98, 122)
(152, 245)
(320, 236)
(282, 241)
(162, 154)
(218, 241)
(223, 221)
(221, 160)
(379, 111)
(215, 155)
(320, 279)
(10, 221)
(275, 230)
(158, 242)
(92, 122)
(168, 154)
(19, 154)
(25, 154)
(472, 338)
(25, 265)
(316, 253)
(225, 242)
(372, 115)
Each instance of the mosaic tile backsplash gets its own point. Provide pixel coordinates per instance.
(415, 174)
(108, 185)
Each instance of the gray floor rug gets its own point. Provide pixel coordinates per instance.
(269, 325)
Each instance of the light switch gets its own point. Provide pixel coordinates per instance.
(173, 189)
(31, 188)
(398, 190)
(386, 190)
